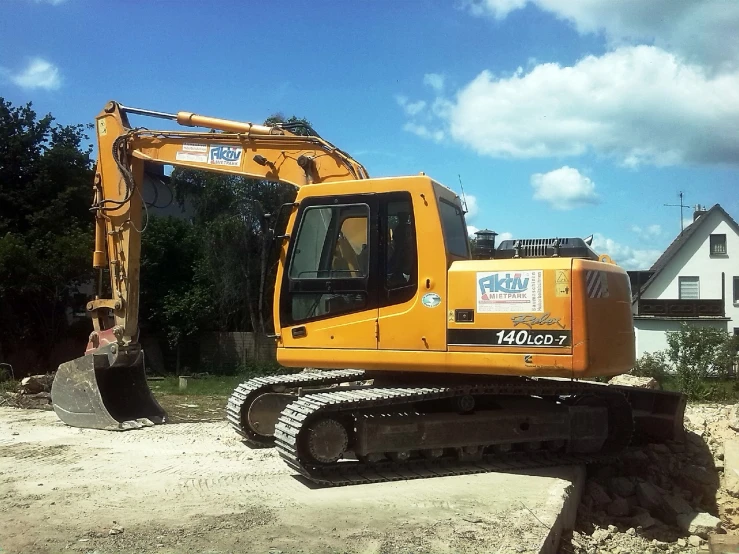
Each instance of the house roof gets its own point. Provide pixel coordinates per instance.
(682, 239)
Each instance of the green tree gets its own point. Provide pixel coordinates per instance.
(45, 226)
(698, 353)
(237, 261)
(175, 297)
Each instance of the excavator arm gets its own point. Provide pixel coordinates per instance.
(86, 392)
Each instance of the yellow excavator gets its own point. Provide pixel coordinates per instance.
(461, 361)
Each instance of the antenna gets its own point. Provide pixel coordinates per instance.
(464, 198)
(681, 206)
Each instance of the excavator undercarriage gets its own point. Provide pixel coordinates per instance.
(334, 429)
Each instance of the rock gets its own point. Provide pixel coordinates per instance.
(642, 518)
(682, 543)
(631, 532)
(694, 540)
(700, 524)
(695, 421)
(634, 381)
(36, 384)
(621, 486)
(116, 530)
(600, 535)
(618, 508)
(660, 448)
(650, 496)
(659, 544)
(731, 467)
(674, 506)
(597, 493)
(734, 417)
(700, 474)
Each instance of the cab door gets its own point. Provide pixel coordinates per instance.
(329, 287)
(412, 280)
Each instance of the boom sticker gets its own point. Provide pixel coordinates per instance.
(191, 157)
(195, 147)
(224, 155)
(509, 291)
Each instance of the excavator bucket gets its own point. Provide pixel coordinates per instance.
(105, 389)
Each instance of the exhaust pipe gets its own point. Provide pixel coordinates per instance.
(106, 389)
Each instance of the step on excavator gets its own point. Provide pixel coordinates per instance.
(425, 358)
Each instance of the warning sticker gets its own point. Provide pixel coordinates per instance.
(562, 283)
(506, 291)
(194, 147)
(191, 157)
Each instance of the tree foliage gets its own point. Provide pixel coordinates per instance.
(700, 352)
(220, 271)
(45, 226)
(175, 296)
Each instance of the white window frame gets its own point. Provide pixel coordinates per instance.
(710, 245)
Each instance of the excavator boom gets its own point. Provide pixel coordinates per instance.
(106, 388)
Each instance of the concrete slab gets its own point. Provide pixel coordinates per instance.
(195, 488)
(731, 467)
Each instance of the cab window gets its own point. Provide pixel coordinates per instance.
(454, 229)
(330, 263)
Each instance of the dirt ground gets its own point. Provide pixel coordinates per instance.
(194, 487)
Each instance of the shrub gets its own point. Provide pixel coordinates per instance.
(698, 353)
(651, 365)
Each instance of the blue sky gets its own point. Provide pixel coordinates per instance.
(562, 118)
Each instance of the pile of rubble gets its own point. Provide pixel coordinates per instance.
(33, 392)
(662, 497)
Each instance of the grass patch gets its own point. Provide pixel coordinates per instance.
(217, 385)
(207, 386)
(709, 390)
(8, 386)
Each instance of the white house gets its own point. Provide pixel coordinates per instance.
(695, 280)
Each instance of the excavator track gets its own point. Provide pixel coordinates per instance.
(243, 397)
(296, 420)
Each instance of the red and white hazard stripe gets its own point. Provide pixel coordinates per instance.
(596, 283)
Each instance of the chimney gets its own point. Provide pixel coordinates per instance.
(699, 211)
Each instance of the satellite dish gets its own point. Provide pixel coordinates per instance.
(589, 240)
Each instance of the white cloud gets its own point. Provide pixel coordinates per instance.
(625, 256)
(472, 208)
(564, 188)
(640, 104)
(497, 8)
(424, 132)
(650, 232)
(702, 31)
(37, 74)
(415, 108)
(410, 108)
(471, 230)
(434, 80)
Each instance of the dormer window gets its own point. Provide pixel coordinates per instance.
(718, 245)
